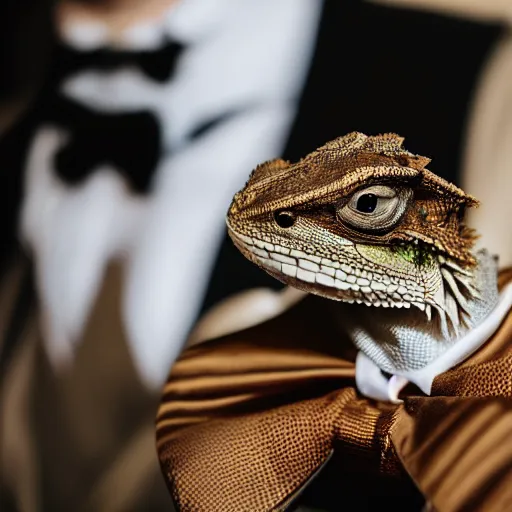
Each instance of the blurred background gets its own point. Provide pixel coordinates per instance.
(125, 128)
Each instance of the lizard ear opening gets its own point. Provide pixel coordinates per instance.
(376, 209)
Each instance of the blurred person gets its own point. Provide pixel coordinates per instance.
(150, 118)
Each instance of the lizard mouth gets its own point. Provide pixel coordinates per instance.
(342, 282)
(312, 274)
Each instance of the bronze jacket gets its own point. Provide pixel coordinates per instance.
(269, 417)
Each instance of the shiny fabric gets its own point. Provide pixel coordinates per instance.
(249, 419)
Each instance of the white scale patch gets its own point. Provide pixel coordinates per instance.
(364, 287)
(453, 286)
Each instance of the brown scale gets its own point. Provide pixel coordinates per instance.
(340, 167)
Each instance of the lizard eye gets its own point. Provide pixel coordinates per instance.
(377, 208)
(284, 219)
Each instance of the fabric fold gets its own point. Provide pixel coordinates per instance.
(248, 419)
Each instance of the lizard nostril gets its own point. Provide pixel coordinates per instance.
(284, 219)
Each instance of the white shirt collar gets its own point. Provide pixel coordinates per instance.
(371, 382)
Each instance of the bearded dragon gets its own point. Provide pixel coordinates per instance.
(363, 222)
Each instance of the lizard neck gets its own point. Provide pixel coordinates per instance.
(402, 340)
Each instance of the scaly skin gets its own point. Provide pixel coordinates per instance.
(361, 220)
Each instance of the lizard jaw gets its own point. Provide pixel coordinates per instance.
(324, 277)
(337, 281)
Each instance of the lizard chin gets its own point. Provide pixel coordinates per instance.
(326, 278)
(454, 293)
(318, 276)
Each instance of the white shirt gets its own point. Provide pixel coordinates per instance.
(251, 56)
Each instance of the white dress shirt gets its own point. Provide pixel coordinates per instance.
(247, 57)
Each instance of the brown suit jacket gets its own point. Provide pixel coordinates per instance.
(81, 438)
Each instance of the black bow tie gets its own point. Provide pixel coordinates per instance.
(129, 142)
(157, 64)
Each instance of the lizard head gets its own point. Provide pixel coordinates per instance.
(360, 220)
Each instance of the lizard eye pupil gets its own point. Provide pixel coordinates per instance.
(284, 219)
(367, 203)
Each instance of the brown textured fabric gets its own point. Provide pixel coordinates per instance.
(246, 420)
